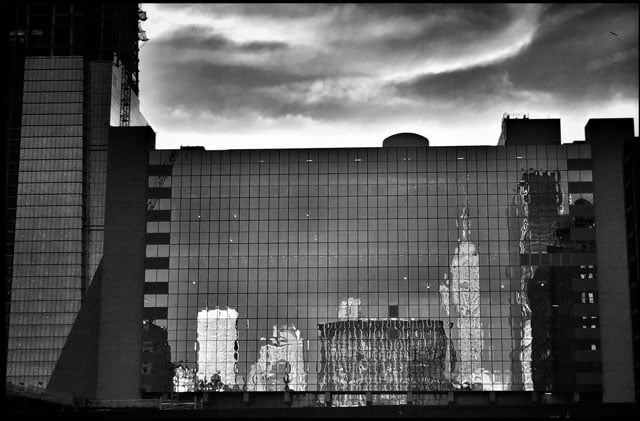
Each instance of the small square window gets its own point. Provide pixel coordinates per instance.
(393, 311)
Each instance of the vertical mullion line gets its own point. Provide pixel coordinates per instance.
(53, 30)
(86, 133)
(388, 218)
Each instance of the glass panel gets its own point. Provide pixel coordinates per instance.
(433, 274)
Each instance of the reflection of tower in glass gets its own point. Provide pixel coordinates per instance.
(280, 365)
(157, 369)
(217, 345)
(464, 291)
(538, 201)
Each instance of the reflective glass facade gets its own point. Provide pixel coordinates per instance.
(47, 265)
(67, 108)
(378, 269)
(70, 66)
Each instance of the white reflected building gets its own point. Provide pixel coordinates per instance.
(280, 365)
(217, 345)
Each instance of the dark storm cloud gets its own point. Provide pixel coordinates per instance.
(470, 85)
(267, 10)
(573, 57)
(453, 21)
(233, 90)
(579, 58)
(262, 46)
(443, 28)
(197, 37)
(237, 75)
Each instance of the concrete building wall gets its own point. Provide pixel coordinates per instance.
(124, 256)
(607, 139)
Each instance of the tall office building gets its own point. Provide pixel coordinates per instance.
(292, 236)
(405, 273)
(631, 177)
(73, 73)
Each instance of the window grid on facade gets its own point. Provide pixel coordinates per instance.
(295, 239)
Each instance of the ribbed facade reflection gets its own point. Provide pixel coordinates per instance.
(383, 355)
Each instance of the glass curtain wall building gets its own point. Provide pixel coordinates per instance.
(355, 275)
(73, 72)
(378, 269)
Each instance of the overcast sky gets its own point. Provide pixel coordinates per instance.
(235, 76)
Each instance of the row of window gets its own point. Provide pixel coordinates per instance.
(232, 221)
(38, 166)
(48, 75)
(460, 170)
(47, 259)
(227, 197)
(46, 270)
(51, 119)
(61, 108)
(313, 207)
(53, 85)
(52, 131)
(38, 246)
(313, 226)
(227, 259)
(400, 243)
(39, 370)
(245, 205)
(181, 326)
(347, 269)
(406, 228)
(74, 186)
(53, 63)
(53, 235)
(273, 200)
(46, 306)
(54, 283)
(263, 298)
(371, 251)
(40, 355)
(53, 97)
(50, 211)
(31, 331)
(454, 154)
(51, 223)
(61, 142)
(48, 177)
(367, 250)
(46, 200)
(333, 177)
(74, 152)
(411, 229)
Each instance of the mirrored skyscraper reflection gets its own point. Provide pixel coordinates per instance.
(344, 253)
(462, 289)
